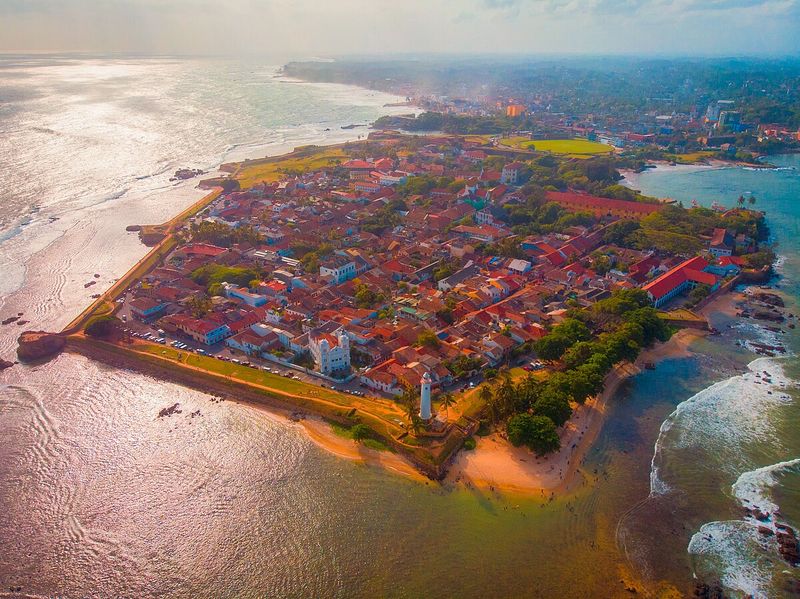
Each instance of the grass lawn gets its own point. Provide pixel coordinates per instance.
(247, 374)
(691, 158)
(681, 314)
(573, 147)
(481, 139)
(347, 433)
(272, 169)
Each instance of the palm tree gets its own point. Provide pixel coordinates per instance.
(496, 409)
(447, 400)
(741, 200)
(487, 397)
(409, 401)
(411, 411)
(752, 200)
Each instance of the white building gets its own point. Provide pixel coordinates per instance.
(512, 173)
(339, 268)
(251, 299)
(331, 353)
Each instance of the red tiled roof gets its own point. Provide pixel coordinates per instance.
(737, 260)
(203, 249)
(571, 198)
(358, 165)
(689, 270)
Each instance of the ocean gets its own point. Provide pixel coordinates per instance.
(101, 498)
(734, 444)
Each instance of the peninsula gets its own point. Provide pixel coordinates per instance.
(417, 292)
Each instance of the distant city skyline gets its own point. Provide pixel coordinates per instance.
(306, 28)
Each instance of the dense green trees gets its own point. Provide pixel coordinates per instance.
(760, 259)
(366, 297)
(209, 274)
(102, 326)
(562, 337)
(223, 235)
(385, 218)
(537, 432)
(428, 338)
(589, 343)
(678, 230)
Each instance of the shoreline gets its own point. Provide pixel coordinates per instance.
(320, 433)
(497, 465)
(630, 177)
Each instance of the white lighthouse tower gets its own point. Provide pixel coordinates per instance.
(425, 397)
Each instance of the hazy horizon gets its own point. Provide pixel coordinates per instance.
(292, 29)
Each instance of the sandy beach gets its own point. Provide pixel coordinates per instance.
(321, 434)
(499, 466)
(496, 464)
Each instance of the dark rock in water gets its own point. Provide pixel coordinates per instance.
(38, 345)
(173, 409)
(768, 315)
(703, 590)
(10, 319)
(5, 364)
(186, 173)
(769, 298)
(787, 544)
(131, 228)
(22, 322)
(767, 532)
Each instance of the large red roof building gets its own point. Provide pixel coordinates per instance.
(572, 200)
(686, 275)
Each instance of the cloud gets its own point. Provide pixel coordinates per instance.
(330, 27)
(516, 7)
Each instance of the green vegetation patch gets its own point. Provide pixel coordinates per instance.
(301, 161)
(577, 147)
(362, 434)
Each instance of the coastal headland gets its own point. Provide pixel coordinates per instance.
(387, 416)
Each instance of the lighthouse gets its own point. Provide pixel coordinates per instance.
(425, 397)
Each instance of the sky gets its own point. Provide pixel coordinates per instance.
(291, 29)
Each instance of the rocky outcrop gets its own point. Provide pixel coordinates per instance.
(5, 364)
(787, 544)
(756, 276)
(39, 345)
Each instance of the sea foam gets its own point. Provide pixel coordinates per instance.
(752, 488)
(730, 413)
